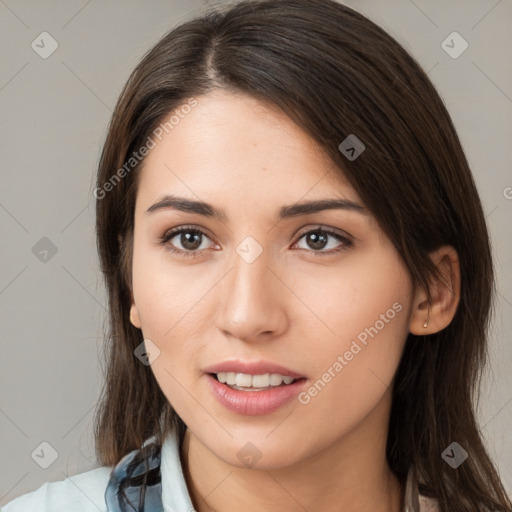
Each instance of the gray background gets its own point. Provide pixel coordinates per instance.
(54, 115)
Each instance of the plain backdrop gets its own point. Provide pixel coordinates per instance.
(54, 116)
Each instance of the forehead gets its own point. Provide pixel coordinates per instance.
(232, 146)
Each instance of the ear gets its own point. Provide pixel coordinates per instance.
(134, 315)
(429, 319)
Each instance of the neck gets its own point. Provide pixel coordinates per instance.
(351, 474)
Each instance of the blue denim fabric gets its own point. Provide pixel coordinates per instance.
(136, 482)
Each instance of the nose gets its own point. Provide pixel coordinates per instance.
(252, 298)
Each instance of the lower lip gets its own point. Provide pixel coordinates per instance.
(254, 403)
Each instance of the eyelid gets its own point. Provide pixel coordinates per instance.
(326, 229)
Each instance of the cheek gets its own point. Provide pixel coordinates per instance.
(367, 291)
(167, 302)
(368, 310)
(166, 295)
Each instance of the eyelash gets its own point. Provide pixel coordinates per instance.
(347, 243)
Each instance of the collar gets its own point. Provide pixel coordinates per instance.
(135, 483)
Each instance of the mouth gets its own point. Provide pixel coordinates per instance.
(249, 382)
(251, 395)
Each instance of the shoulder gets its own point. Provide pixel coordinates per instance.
(83, 492)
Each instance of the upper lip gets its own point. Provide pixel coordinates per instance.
(252, 368)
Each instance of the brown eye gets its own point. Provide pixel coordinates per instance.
(185, 241)
(318, 239)
(189, 241)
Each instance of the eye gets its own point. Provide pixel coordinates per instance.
(188, 237)
(191, 239)
(318, 238)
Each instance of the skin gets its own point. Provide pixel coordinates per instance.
(294, 305)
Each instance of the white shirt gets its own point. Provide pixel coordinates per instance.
(85, 492)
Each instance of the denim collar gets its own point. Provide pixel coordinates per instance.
(135, 483)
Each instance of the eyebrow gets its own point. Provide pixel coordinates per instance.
(285, 212)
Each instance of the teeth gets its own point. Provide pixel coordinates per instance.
(242, 379)
(255, 381)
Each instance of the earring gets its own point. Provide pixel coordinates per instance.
(425, 324)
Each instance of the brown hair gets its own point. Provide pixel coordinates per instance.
(334, 73)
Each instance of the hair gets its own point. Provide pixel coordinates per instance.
(334, 73)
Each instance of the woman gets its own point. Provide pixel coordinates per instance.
(299, 278)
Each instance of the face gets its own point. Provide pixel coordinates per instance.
(321, 292)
